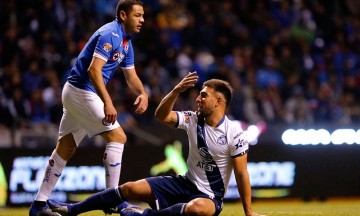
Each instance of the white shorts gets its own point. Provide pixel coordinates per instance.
(83, 114)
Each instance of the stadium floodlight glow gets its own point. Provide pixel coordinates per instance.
(253, 133)
(303, 138)
(287, 136)
(357, 137)
(321, 136)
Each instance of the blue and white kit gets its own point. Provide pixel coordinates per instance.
(109, 43)
(83, 108)
(211, 150)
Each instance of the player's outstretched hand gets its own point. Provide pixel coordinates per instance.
(187, 82)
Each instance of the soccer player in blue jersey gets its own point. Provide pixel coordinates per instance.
(88, 108)
(217, 145)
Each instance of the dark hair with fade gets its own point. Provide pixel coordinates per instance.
(220, 86)
(126, 6)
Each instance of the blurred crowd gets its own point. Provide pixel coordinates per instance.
(293, 62)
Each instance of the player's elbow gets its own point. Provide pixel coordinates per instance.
(168, 119)
(159, 115)
(164, 117)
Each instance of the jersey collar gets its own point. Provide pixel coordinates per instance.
(221, 121)
(122, 30)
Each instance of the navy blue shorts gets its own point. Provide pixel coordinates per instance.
(170, 190)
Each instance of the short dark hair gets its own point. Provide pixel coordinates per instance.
(126, 6)
(222, 87)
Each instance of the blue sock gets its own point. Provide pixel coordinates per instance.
(177, 209)
(106, 199)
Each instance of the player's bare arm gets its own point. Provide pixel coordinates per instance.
(164, 112)
(137, 88)
(97, 80)
(243, 182)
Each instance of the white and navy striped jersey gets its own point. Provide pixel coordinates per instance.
(109, 43)
(210, 152)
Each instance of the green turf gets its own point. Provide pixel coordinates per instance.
(344, 207)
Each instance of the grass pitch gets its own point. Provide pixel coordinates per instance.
(331, 207)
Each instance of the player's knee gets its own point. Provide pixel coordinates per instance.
(116, 135)
(198, 207)
(66, 148)
(120, 136)
(127, 189)
(66, 153)
(123, 138)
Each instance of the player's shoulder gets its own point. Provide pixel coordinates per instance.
(231, 122)
(189, 116)
(111, 31)
(232, 126)
(106, 28)
(188, 113)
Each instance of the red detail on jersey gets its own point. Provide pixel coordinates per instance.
(187, 119)
(125, 41)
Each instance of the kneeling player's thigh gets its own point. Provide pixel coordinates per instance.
(200, 206)
(136, 190)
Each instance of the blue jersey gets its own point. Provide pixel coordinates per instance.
(109, 43)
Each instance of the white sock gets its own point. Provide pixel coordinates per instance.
(53, 170)
(112, 162)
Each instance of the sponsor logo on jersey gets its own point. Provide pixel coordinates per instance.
(125, 44)
(126, 48)
(240, 143)
(187, 113)
(187, 116)
(116, 35)
(205, 166)
(205, 155)
(107, 47)
(237, 135)
(187, 119)
(206, 160)
(222, 140)
(118, 57)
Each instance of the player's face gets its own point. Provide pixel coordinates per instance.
(207, 101)
(134, 20)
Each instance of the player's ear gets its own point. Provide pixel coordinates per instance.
(122, 15)
(218, 101)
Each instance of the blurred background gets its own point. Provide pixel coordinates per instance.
(294, 66)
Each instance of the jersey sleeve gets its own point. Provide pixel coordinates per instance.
(185, 118)
(238, 144)
(128, 61)
(103, 47)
